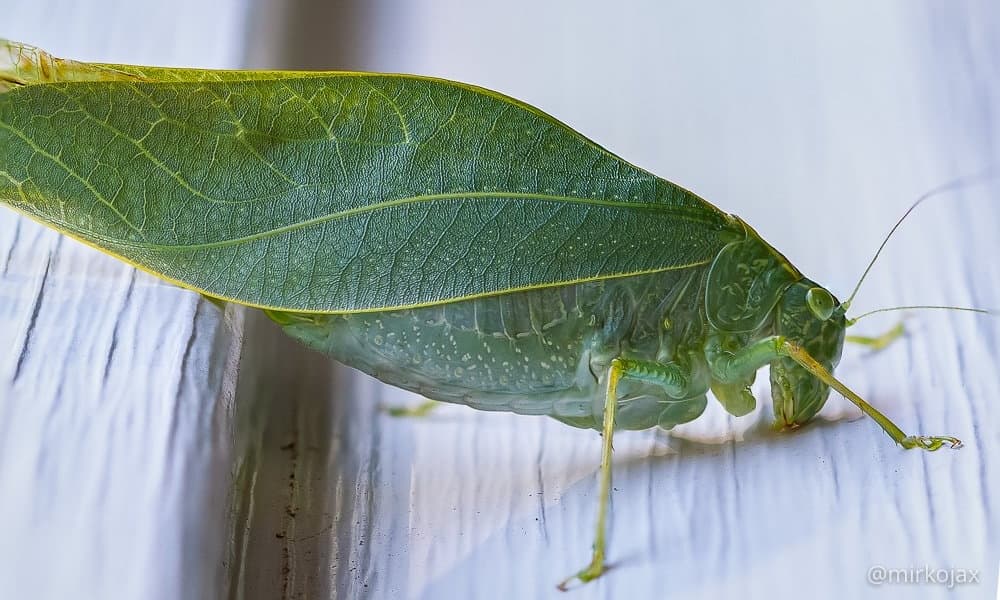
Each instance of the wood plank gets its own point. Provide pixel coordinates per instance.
(116, 391)
(818, 124)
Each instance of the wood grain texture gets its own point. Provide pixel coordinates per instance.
(816, 123)
(116, 390)
(120, 440)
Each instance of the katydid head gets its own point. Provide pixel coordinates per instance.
(810, 316)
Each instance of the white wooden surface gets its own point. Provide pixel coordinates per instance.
(116, 391)
(817, 123)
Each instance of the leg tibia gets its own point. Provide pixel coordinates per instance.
(596, 567)
(799, 355)
(677, 381)
(421, 410)
(880, 342)
(729, 363)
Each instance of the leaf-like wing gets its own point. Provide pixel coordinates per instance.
(332, 192)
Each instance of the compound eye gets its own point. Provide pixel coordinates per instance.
(820, 302)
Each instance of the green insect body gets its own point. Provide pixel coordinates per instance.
(538, 352)
(441, 237)
(547, 351)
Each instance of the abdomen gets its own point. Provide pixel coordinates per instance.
(534, 352)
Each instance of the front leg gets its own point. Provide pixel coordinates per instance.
(734, 367)
(731, 362)
(728, 363)
(799, 355)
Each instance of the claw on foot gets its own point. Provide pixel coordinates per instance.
(930, 443)
(592, 572)
(780, 426)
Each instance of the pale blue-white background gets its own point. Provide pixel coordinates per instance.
(153, 447)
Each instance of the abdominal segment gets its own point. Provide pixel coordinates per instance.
(542, 352)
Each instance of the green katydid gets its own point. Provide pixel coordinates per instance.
(444, 238)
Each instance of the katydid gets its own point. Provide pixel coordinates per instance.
(441, 237)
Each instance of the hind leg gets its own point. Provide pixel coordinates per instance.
(673, 378)
(421, 410)
(880, 342)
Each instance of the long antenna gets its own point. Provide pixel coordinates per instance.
(981, 311)
(954, 184)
